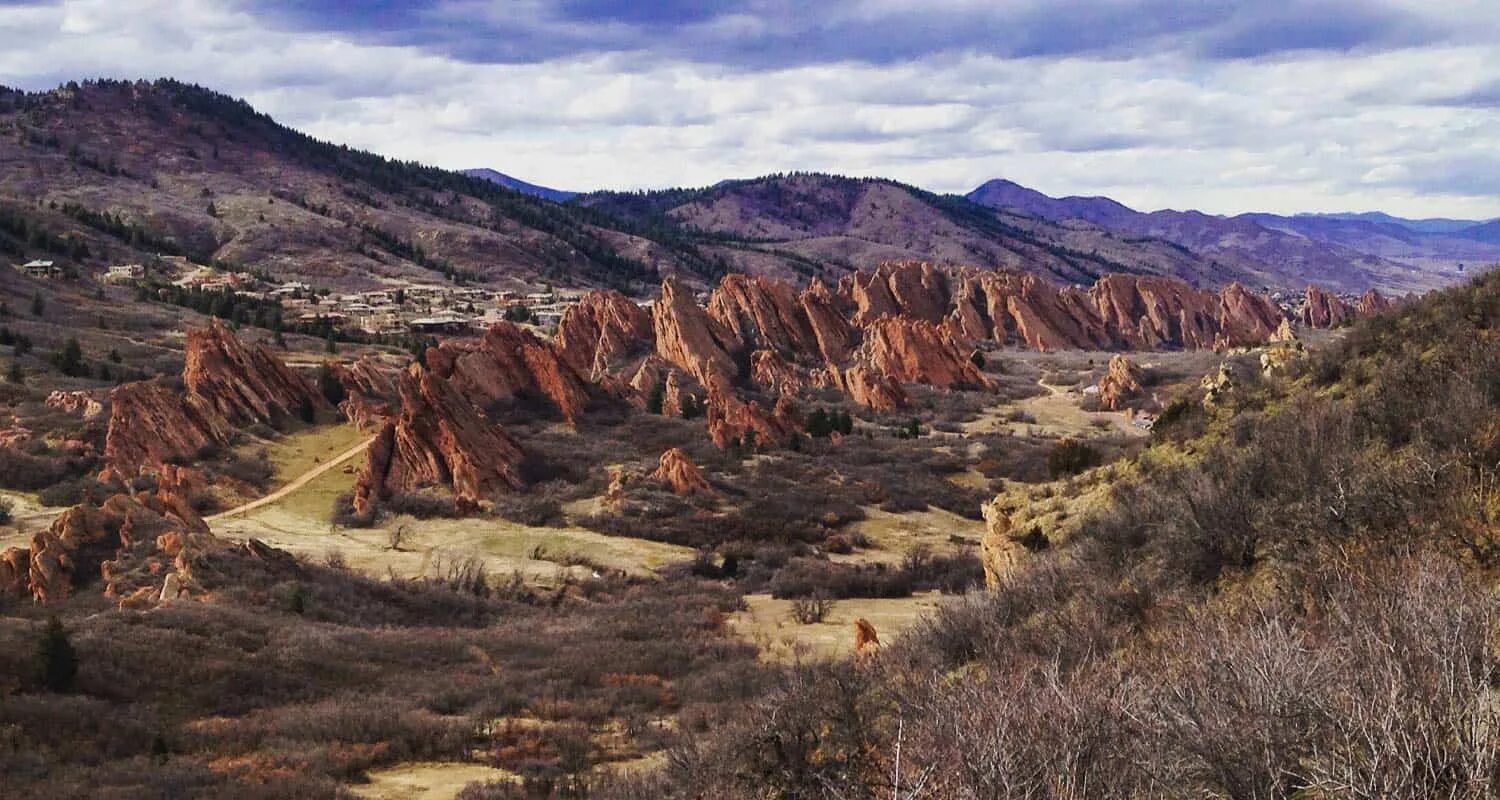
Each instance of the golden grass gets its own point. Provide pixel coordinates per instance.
(767, 623)
(426, 780)
(895, 535)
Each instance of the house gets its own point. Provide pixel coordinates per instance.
(125, 273)
(41, 269)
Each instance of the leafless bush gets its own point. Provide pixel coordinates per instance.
(810, 610)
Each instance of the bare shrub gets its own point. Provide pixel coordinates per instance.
(810, 610)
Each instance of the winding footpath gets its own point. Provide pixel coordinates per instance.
(301, 481)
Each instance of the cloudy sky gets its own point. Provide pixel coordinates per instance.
(1223, 106)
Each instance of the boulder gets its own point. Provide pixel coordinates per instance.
(678, 471)
(1002, 550)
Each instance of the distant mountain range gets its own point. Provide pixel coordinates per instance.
(1343, 251)
(546, 193)
(111, 172)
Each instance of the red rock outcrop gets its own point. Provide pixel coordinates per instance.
(152, 423)
(87, 540)
(509, 362)
(771, 372)
(1246, 318)
(438, 439)
(1120, 385)
(369, 392)
(1372, 302)
(242, 383)
(869, 388)
(908, 350)
(601, 329)
(688, 337)
(15, 573)
(1324, 309)
(762, 314)
(84, 404)
(1146, 313)
(828, 322)
(733, 421)
(678, 471)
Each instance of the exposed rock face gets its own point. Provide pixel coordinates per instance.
(242, 383)
(369, 391)
(507, 363)
(908, 350)
(688, 337)
(762, 314)
(439, 438)
(1148, 313)
(89, 540)
(1002, 548)
(83, 404)
(828, 322)
(732, 421)
(771, 372)
(225, 384)
(15, 573)
(1323, 309)
(1284, 333)
(869, 388)
(678, 471)
(152, 422)
(599, 331)
(1372, 302)
(1120, 385)
(1246, 318)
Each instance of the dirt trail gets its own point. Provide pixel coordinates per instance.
(297, 483)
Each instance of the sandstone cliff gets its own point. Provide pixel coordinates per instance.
(509, 363)
(1324, 309)
(438, 439)
(599, 331)
(243, 384)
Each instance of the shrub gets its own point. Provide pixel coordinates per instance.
(810, 610)
(1070, 457)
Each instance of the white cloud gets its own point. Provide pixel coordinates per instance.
(1307, 132)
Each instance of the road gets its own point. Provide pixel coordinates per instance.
(299, 482)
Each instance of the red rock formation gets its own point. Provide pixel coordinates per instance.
(438, 439)
(869, 388)
(1323, 309)
(83, 404)
(152, 422)
(771, 372)
(84, 541)
(829, 323)
(759, 313)
(509, 361)
(601, 329)
(678, 471)
(688, 337)
(733, 421)
(1370, 303)
(369, 391)
(241, 383)
(1246, 318)
(1121, 384)
(15, 573)
(910, 350)
(1146, 313)
(866, 640)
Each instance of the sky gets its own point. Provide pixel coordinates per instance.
(1338, 105)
